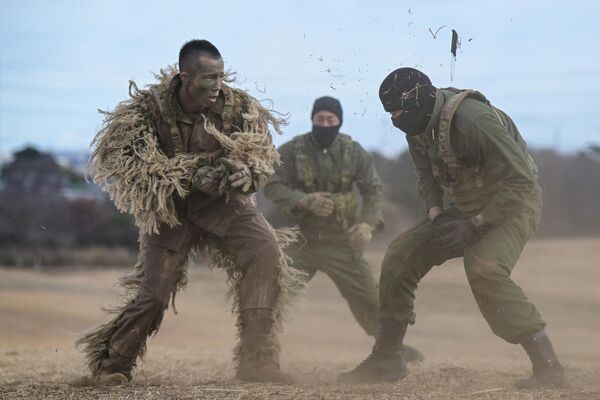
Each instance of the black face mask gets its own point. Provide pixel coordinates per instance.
(325, 135)
(413, 122)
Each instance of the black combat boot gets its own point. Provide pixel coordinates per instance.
(258, 349)
(547, 371)
(385, 363)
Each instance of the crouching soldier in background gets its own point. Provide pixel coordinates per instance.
(467, 149)
(313, 186)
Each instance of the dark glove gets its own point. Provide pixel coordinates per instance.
(447, 216)
(455, 235)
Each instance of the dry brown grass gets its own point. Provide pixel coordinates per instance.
(41, 313)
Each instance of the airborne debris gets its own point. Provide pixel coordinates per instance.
(455, 43)
(453, 47)
(436, 32)
(332, 74)
(331, 86)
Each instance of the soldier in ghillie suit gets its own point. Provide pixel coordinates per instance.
(313, 186)
(185, 157)
(467, 149)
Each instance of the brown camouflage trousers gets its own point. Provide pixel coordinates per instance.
(249, 240)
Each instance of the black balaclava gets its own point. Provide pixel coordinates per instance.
(325, 135)
(409, 90)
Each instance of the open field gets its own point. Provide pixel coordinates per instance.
(41, 313)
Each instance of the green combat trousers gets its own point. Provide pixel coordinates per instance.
(348, 270)
(488, 265)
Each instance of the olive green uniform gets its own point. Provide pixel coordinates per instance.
(483, 167)
(306, 168)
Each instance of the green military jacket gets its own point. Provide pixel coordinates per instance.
(496, 177)
(306, 167)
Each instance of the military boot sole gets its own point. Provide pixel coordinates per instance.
(555, 381)
(386, 371)
(386, 376)
(111, 379)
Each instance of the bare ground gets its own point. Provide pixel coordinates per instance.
(41, 313)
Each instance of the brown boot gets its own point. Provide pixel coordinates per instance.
(258, 349)
(547, 370)
(105, 377)
(114, 370)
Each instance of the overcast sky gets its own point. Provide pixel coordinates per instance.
(537, 60)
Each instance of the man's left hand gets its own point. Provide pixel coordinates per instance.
(360, 234)
(240, 176)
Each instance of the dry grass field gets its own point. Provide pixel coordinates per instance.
(41, 313)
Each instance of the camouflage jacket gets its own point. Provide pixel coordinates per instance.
(149, 149)
(307, 167)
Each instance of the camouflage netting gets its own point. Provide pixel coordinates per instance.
(141, 180)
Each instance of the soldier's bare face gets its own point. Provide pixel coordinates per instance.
(325, 118)
(205, 82)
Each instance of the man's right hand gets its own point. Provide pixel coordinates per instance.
(319, 203)
(208, 180)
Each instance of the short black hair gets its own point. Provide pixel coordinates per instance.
(190, 50)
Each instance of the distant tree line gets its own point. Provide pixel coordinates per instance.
(45, 205)
(570, 186)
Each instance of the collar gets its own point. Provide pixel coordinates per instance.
(333, 149)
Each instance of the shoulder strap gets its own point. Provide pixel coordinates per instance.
(161, 96)
(448, 110)
(305, 172)
(446, 116)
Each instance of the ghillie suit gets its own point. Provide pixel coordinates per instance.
(140, 161)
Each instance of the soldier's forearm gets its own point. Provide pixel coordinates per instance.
(282, 195)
